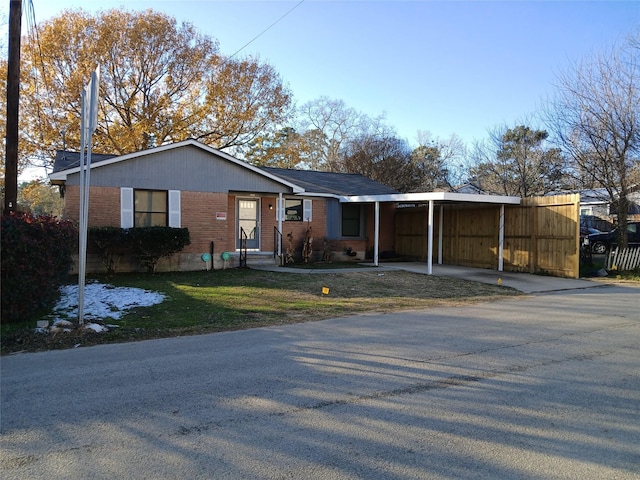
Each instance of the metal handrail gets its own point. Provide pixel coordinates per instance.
(243, 247)
(277, 242)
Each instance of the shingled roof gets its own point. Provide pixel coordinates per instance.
(331, 183)
(65, 160)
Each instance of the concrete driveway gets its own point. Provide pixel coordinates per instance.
(545, 386)
(524, 282)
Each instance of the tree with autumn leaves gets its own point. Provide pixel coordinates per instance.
(160, 83)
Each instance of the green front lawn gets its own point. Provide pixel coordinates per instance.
(232, 299)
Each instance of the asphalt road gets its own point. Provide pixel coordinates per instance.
(537, 387)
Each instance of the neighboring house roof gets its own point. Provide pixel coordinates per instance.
(596, 196)
(469, 188)
(600, 197)
(592, 196)
(342, 184)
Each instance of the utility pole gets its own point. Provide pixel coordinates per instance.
(13, 100)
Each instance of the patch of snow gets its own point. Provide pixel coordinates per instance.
(102, 301)
(96, 327)
(62, 323)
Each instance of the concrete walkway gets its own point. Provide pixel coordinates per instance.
(524, 282)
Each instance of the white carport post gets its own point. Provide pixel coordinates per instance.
(501, 239)
(376, 234)
(430, 239)
(440, 235)
(279, 215)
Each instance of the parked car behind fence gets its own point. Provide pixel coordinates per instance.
(602, 242)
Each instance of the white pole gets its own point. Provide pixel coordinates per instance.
(88, 125)
(440, 236)
(376, 234)
(279, 210)
(501, 240)
(82, 239)
(430, 240)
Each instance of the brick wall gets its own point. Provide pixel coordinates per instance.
(387, 226)
(298, 230)
(198, 214)
(269, 222)
(104, 205)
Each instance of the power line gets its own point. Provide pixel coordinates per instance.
(266, 29)
(41, 101)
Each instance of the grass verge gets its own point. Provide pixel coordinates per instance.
(233, 299)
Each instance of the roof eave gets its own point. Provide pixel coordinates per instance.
(60, 177)
(320, 195)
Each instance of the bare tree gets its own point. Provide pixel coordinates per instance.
(382, 157)
(595, 117)
(333, 124)
(517, 161)
(439, 162)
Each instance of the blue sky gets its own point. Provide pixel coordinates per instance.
(443, 66)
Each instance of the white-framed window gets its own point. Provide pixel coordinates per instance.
(150, 208)
(586, 210)
(296, 209)
(147, 208)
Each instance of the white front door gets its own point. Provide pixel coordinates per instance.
(248, 216)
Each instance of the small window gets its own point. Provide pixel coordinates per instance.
(350, 220)
(293, 210)
(150, 208)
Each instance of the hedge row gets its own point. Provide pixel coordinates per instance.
(36, 254)
(36, 260)
(147, 244)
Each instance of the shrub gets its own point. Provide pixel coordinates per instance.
(111, 242)
(147, 244)
(150, 244)
(36, 260)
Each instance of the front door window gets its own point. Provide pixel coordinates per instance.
(248, 223)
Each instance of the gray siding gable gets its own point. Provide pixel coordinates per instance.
(187, 167)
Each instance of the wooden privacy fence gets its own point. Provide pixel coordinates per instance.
(541, 235)
(623, 259)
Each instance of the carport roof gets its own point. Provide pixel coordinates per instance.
(435, 197)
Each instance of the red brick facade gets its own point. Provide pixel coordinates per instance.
(104, 206)
(211, 217)
(207, 218)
